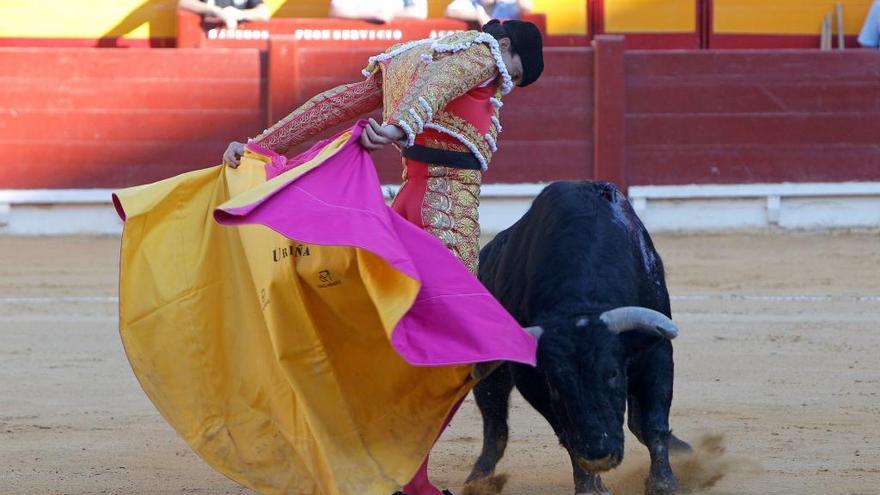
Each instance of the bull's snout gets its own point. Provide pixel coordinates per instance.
(601, 454)
(598, 465)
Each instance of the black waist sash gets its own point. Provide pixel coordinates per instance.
(446, 158)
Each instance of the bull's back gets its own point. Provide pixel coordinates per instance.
(579, 244)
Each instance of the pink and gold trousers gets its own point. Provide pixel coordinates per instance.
(444, 202)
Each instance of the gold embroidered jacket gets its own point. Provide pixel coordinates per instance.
(420, 85)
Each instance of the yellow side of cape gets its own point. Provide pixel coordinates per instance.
(271, 358)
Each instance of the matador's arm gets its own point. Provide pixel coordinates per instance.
(323, 112)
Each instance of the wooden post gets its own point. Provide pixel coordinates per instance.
(189, 30)
(592, 13)
(825, 38)
(706, 23)
(283, 78)
(609, 118)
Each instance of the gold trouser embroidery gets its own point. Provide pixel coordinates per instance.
(450, 211)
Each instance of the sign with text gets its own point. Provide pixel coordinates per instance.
(194, 32)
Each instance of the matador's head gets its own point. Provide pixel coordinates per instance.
(522, 49)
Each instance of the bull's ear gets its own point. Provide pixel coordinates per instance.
(644, 320)
(535, 332)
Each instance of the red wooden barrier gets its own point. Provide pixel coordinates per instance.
(752, 116)
(79, 118)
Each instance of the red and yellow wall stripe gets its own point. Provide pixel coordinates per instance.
(646, 23)
(145, 22)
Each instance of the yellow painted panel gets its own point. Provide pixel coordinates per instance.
(650, 16)
(564, 16)
(87, 18)
(436, 8)
(784, 16)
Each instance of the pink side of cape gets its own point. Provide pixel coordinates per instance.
(454, 319)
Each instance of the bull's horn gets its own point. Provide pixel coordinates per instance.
(640, 319)
(482, 370)
(535, 332)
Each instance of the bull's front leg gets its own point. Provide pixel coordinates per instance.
(492, 395)
(650, 389)
(585, 482)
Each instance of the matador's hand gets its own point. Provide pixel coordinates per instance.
(376, 136)
(232, 156)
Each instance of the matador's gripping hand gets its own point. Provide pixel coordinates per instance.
(377, 136)
(233, 153)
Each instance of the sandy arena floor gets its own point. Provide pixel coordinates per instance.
(779, 354)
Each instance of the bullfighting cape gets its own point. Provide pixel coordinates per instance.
(294, 330)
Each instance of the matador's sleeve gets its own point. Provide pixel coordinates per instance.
(323, 112)
(444, 79)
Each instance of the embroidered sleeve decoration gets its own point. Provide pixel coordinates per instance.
(454, 71)
(322, 112)
(492, 136)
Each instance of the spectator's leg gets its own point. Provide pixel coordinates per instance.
(381, 11)
(413, 9)
(506, 10)
(468, 10)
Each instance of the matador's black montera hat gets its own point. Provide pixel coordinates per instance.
(526, 41)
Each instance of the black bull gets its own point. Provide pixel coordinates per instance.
(579, 252)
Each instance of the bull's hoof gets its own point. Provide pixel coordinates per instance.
(661, 486)
(489, 485)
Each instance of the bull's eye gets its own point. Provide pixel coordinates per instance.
(613, 375)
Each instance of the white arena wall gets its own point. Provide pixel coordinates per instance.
(685, 208)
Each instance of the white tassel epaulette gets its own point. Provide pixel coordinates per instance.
(410, 135)
(427, 107)
(492, 144)
(418, 118)
(497, 124)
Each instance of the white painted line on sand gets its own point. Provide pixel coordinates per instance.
(682, 297)
(59, 299)
(57, 318)
(774, 298)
